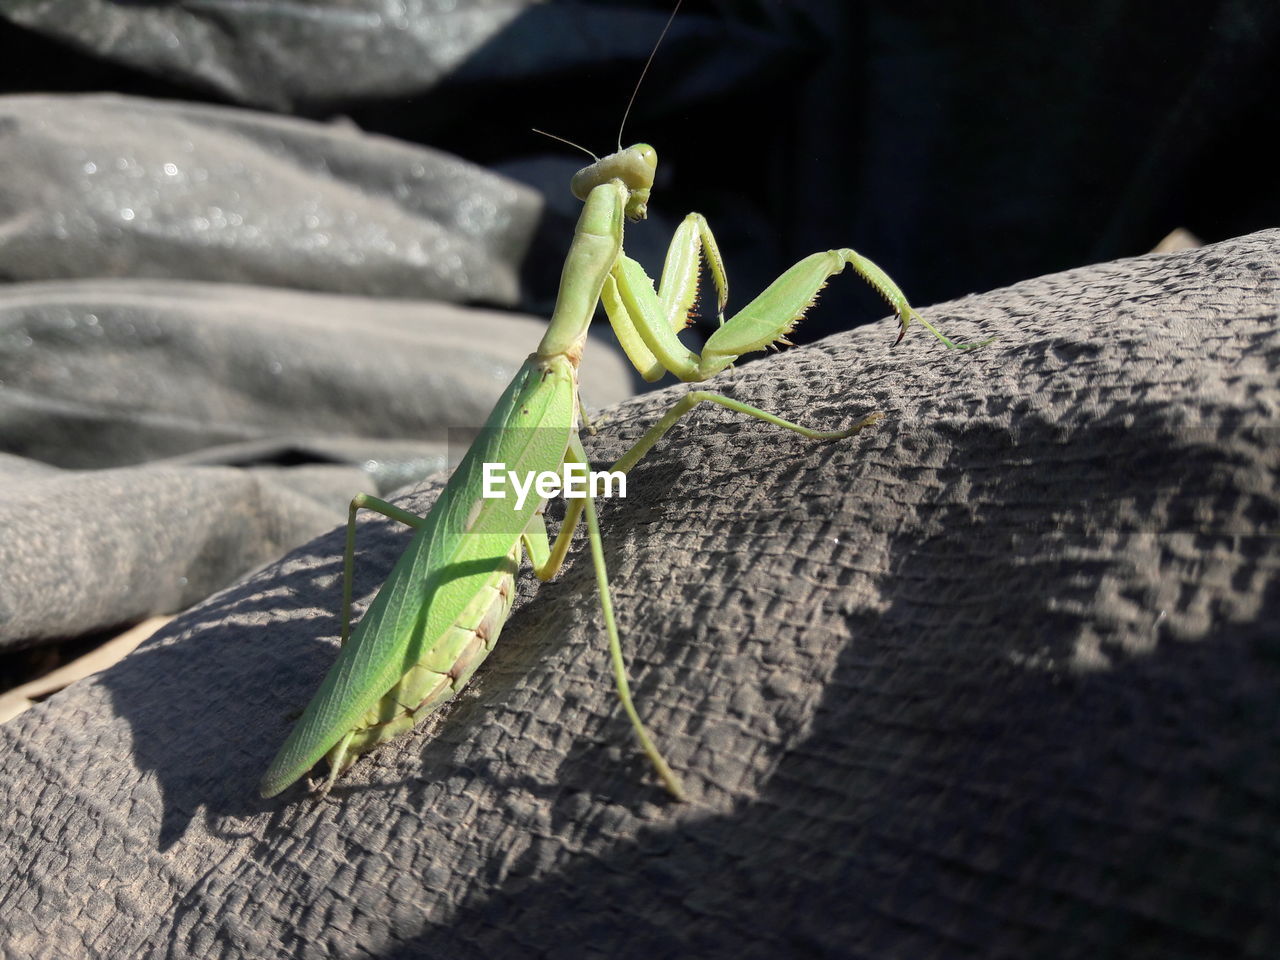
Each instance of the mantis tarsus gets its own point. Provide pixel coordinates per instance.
(440, 610)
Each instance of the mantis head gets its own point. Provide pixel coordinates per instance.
(634, 166)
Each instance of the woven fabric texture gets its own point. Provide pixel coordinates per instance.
(997, 677)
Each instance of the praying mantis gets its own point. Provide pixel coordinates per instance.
(441, 609)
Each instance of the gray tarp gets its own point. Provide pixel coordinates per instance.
(278, 54)
(997, 678)
(106, 186)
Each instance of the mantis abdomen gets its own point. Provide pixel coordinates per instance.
(443, 670)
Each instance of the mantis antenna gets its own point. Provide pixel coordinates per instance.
(626, 113)
(576, 146)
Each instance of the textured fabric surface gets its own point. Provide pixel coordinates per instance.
(996, 678)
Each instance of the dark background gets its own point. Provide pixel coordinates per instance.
(961, 146)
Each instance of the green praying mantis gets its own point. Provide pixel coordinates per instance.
(441, 609)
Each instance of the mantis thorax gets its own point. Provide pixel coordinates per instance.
(634, 166)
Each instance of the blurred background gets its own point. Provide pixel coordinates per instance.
(963, 147)
(265, 254)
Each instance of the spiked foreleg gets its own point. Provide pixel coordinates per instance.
(639, 313)
(646, 322)
(774, 313)
(691, 246)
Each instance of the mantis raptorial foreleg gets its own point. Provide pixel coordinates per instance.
(669, 308)
(647, 321)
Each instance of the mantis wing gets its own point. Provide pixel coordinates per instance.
(465, 540)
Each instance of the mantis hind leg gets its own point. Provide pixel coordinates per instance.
(339, 758)
(669, 779)
(547, 562)
(363, 500)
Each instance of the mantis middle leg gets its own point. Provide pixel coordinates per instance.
(685, 404)
(366, 502)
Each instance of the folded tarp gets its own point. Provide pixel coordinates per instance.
(107, 186)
